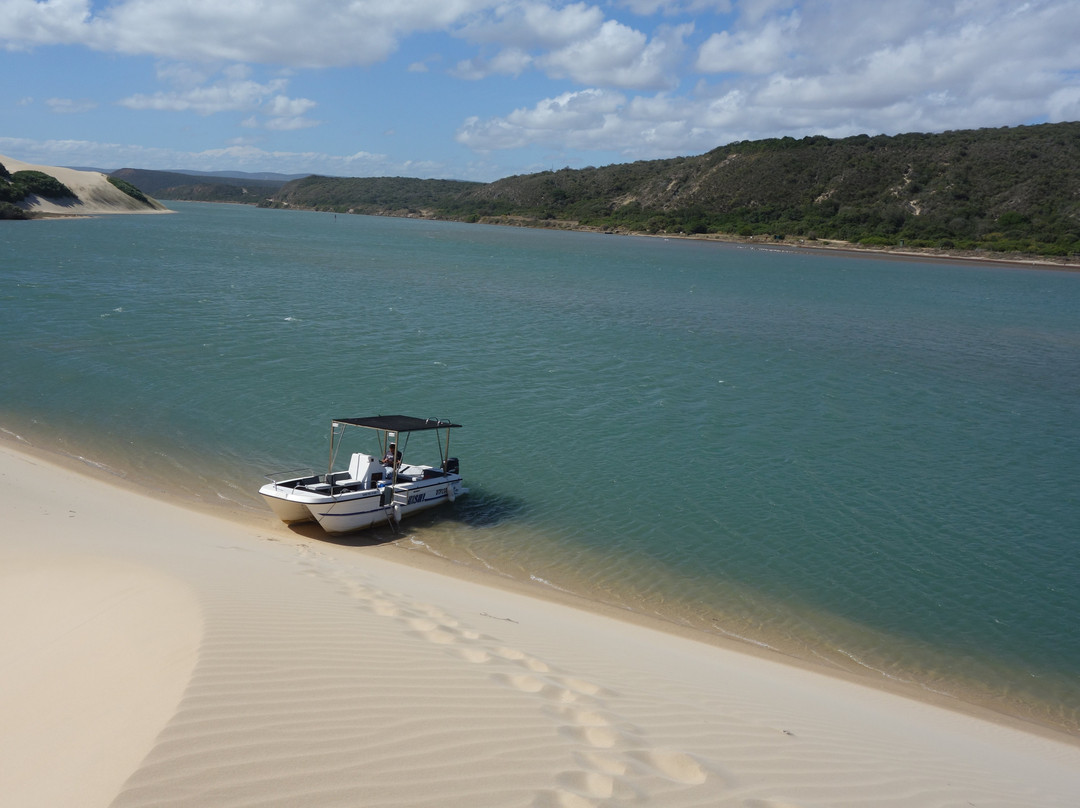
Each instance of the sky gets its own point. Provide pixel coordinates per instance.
(483, 89)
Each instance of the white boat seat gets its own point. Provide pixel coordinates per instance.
(361, 467)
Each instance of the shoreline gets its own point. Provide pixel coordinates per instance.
(795, 244)
(271, 664)
(395, 551)
(841, 248)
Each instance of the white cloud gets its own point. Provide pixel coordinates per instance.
(579, 115)
(573, 42)
(237, 156)
(619, 56)
(760, 51)
(70, 106)
(233, 91)
(26, 23)
(297, 33)
(531, 24)
(281, 106)
(647, 8)
(221, 97)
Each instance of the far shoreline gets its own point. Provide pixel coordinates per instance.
(838, 247)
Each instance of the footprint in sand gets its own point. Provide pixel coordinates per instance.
(475, 655)
(520, 657)
(603, 762)
(677, 766)
(596, 737)
(593, 785)
(580, 717)
(385, 608)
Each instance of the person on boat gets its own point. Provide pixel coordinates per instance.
(391, 460)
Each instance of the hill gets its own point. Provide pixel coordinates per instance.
(1007, 189)
(249, 189)
(1013, 190)
(387, 196)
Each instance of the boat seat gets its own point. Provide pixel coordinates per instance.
(361, 467)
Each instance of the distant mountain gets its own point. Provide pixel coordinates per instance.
(387, 196)
(217, 187)
(242, 175)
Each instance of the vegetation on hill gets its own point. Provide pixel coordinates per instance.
(18, 186)
(1008, 190)
(1004, 190)
(198, 188)
(398, 196)
(129, 189)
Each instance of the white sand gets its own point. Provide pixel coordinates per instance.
(154, 656)
(96, 195)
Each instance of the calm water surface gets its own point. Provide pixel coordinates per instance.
(872, 464)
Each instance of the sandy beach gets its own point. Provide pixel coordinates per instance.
(159, 656)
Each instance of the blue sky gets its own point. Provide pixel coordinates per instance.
(482, 89)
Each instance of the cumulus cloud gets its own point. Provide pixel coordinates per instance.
(533, 24)
(232, 91)
(786, 68)
(297, 33)
(585, 114)
(762, 50)
(619, 56)
(572, 42)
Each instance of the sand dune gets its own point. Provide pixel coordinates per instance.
(95, 194)
(268, 669)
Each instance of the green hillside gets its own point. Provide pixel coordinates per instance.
(1008, 190)
(1015, 190)
(198, 188)
(399, 196)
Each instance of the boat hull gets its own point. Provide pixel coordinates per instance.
(286, 504)
(346, 511)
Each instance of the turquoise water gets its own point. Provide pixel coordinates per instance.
(873, 464)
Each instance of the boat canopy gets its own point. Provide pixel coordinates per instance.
(397, 423)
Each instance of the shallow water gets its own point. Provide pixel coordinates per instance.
(870, 463)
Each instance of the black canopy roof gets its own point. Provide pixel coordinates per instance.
(397, 423)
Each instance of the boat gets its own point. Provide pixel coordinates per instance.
(370, 490)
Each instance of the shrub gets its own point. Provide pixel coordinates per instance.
(129, 189)
(10, 192)
(9, 211)
(41, 184)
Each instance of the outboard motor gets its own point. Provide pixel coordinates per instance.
(451, 465)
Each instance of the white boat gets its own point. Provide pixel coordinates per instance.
(370, 491)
